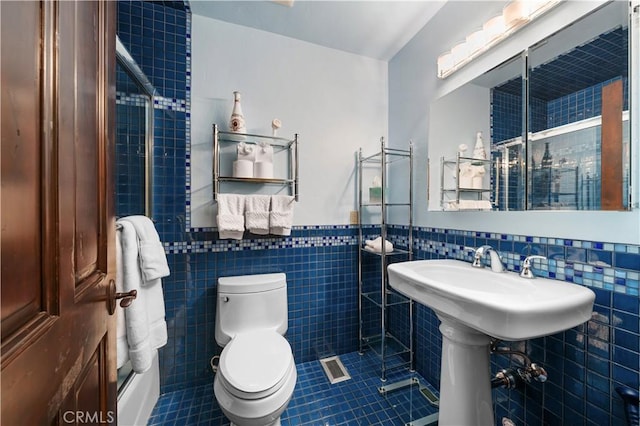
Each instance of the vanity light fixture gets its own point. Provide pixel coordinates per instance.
(287, 3)
(515, 15)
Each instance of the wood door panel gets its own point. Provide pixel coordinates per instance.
(84, 405)
(85, 149)
(64, 355)
(61, 356)
(21, 146)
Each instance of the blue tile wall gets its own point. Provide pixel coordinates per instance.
(321, 270)
(506, 109)
(580, 105)
(157, 34)
(506, 115)
(601, 59)
(130, 146)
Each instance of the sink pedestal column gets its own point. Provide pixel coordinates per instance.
(465, 386)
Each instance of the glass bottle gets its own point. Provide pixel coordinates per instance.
(237, 124)
(546, 157)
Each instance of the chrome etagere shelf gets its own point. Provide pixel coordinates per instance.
(391, 350)
(279, 145)
(456, 190)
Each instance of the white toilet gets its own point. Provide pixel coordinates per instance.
(256, 373)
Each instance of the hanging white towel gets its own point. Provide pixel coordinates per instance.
(376, 245)
(121, 330)
(145, 317)
(151, 255)
(231, 216)
(257, 214)
(281, 215)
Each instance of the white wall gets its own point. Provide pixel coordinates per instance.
(413, 88)
(336, 102)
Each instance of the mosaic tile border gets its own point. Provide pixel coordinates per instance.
(159, 102)
(603, 265)
(123, 98)
(187, 158)
(172, 104)
(261, 244)
(268, 242)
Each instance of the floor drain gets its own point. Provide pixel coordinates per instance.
(334, 369)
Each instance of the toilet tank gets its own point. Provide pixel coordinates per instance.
(251, 302)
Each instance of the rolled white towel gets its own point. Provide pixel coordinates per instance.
(376, 245)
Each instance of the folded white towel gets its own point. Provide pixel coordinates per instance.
(281, 215)
(484, 205)
(469, 205)
(376, 245)
(257, 214)
(151, 255)
(122, 347)
(145, 318)
(372, 250)
(231, 216)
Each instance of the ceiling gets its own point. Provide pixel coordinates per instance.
(372, 28)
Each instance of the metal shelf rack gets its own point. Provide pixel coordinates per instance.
(456, 190)
(393, 352)
(279, 145)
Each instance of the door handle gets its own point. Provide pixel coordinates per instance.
(125, 298)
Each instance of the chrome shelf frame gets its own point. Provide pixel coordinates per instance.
(278, 143)
(457, 190)
(385, 344)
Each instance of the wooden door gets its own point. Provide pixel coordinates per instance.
(57, 254)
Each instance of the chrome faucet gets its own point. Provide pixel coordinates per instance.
(526, 266)
(496, 262)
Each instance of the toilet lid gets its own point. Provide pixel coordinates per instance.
(255, 361)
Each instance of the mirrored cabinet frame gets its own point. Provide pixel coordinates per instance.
(558, 184)
(451, 100)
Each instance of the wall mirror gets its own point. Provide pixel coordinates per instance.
(556, 118)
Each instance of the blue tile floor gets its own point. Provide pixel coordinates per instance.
(315, 401)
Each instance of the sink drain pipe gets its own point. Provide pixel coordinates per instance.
(512, 377)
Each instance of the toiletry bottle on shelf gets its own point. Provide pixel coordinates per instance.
(478, 150)
(464, 171)
(547, 159)
(375, 190)
(479, 167)
(237, 124)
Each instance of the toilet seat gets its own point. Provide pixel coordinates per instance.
(255, 364)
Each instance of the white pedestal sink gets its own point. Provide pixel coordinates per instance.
(475, 305)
